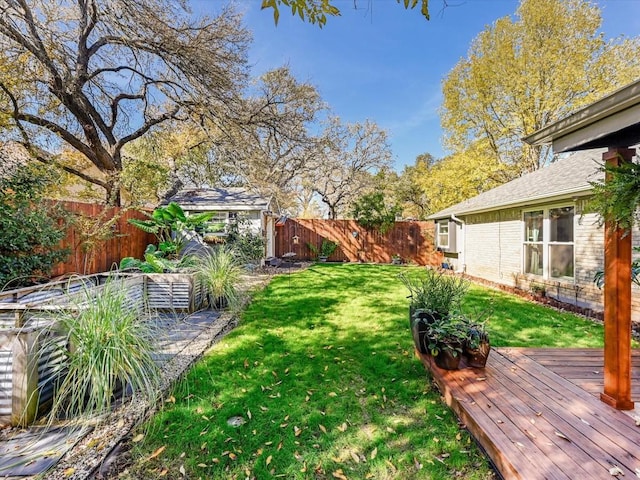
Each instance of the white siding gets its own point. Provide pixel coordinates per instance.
(492, 243)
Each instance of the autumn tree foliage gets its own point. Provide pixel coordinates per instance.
(525, 72)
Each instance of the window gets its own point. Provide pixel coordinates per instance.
(548, 242)
(216, 223)
(561, 242)
(443, 234)
(533, 245)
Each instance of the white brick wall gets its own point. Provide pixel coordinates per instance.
(493, 250)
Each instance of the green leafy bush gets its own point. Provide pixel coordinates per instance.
(246, 246)
(30, 229)
(325, 250)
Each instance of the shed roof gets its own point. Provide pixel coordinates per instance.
(232, 198)
(564, 178)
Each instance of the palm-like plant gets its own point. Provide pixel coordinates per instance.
(598, 278)
(169, 224)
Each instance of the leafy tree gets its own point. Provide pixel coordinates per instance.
(31, 229)
(371, 211)
(463, 175)
(276, 148)
(316, 11)
(268, 150)
(408, 191)
(97, 75)
(345, 170)
(524, 73)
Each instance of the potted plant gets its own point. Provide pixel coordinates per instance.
(476, 346)
(325, 250)
(434, 295)
(445, 340)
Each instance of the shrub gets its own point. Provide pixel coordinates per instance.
(220, 273)
(246, 246)
(31, 230)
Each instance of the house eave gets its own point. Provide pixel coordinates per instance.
(531, 201)
(596, 125)
(225, 208)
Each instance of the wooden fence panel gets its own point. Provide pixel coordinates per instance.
(413, 241)
(101, 255)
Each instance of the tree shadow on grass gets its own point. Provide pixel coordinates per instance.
(322, 372)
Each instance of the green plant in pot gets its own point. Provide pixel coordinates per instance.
(476, 345)
(326, 249)
(445, 339)
(434, 295)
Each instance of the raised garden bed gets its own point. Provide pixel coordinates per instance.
(27, 371)
(174, 291)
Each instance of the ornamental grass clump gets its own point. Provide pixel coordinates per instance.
(435, 292)
(108, 352)
(220, 273)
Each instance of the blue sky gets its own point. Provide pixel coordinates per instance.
(386, 64)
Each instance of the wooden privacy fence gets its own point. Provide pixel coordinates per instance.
(413, 241)
(94, 244)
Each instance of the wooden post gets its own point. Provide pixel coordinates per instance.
(24, 378)
(617, 304)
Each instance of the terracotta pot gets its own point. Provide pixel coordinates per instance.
(477, 358)
(477, 355)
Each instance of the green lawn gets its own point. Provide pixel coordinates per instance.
(515, 322)
(322, 369)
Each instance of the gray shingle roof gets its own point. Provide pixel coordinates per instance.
(232, 198)
(565, 177)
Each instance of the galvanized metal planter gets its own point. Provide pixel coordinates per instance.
(174, 291)
(30, 359)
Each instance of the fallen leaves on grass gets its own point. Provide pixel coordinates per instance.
(157, 452)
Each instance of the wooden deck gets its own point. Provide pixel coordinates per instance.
(537, 414)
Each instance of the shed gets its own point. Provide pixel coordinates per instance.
(229, 205)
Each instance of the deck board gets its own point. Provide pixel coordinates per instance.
(535, 423)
